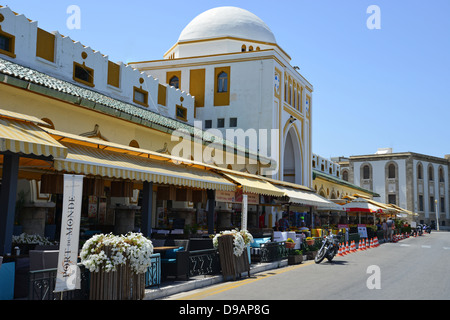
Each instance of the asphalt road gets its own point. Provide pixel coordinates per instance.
(411, 269)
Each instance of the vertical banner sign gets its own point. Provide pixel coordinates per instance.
(68, 275)
(244, 212)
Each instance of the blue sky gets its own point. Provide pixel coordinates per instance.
(387, 87)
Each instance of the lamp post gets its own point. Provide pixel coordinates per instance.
(437, 216)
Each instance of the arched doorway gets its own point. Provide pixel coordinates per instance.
(292, 159)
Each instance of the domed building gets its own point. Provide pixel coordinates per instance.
(243, 84)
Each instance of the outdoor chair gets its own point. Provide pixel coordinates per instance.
(182, 243)
(43, 259)
(175, 264)
(158, 242)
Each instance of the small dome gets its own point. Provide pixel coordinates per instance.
(227, 22)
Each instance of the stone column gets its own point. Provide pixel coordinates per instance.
(124, 219)
(33, 216)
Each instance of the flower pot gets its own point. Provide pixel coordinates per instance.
(310, 242)
(297, 259)
(290, 245)
(311, 255)
(121, 284)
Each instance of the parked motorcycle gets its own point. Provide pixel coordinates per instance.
(419, 229)
(329, 248)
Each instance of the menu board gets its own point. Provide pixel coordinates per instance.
(362, 230)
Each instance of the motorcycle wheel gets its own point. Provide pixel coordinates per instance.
(320, 255)
(331, 255)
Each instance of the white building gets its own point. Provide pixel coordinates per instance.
(229, 60)
(413, 181)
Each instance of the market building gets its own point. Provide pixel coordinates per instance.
(68, 109)
(416, 182)
(228, 59)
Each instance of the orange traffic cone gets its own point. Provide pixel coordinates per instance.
(376, 242)
(339, 252)
(353, 246)
(347, 249)
(370, 244)
(360, 246)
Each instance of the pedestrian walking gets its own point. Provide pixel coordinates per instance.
(390, 229)
(385, 230)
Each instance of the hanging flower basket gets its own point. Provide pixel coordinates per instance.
(289, 244)
(117, 265)
(310, 241)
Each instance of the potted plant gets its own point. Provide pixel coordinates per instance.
(295, 257)
(241, 239)
(290, 244)
(311, 251)
(27, 242)
(233, 252)
(310, 241)
(117, 265)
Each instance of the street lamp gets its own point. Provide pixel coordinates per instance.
(437, 217)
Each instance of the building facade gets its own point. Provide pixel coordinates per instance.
(328, 182)
(65, 108)
(242, 82)
(417, 182)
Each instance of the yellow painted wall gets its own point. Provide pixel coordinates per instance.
(74, 119)
(328, 187)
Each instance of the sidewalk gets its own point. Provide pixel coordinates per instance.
(169, 288)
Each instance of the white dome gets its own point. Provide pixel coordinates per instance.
(227, 22)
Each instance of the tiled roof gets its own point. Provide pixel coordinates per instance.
(100, 102)
(317, 173)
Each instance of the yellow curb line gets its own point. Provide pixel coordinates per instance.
(229, 286)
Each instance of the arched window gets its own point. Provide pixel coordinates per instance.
(222, 82)
(345, 175)
(391, 171)
(441, 175)
(419, 171)
(175, 82)
(50, 122)
(430, 173)
(366, 172)
(134, 144)
(243, 48)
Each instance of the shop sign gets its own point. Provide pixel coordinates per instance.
(68, 273)
(252, 198)
(225, 196)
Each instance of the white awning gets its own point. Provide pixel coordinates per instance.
(306, 198)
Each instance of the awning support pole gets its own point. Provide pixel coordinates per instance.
(8, 201)
(147, 207)
(211, 208)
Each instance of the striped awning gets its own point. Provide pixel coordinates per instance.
(308, 198)
(90, 161)
(26, 137)
(253, 185)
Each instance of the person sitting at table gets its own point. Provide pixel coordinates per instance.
(283, 223)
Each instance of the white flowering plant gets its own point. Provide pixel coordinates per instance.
(241, 239)
(31, 239)
(106, 252)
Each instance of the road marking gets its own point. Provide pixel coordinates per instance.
(446, 248)
(427, 247)
(405, 245)
(228, 286)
